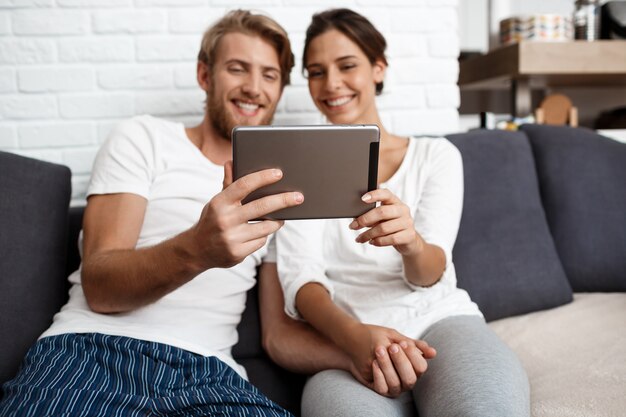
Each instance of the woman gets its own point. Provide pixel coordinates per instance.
(391, 266)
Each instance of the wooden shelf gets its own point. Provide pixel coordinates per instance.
(527, 65)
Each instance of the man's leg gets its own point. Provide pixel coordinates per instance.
(192, 385)
(473, 374)
(336, 393)
(79, 375)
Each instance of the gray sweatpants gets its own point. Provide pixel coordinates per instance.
(473, 374)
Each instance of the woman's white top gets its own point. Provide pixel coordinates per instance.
(369, 282)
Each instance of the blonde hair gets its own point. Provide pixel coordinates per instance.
(243, 21)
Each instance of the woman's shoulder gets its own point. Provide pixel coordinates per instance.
(433, 148)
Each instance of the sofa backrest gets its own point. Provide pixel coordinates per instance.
(582, 178)
(33, 236)
(504, 254)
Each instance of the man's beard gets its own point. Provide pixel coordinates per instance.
(222, 120)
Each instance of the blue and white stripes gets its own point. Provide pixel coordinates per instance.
(100, 375)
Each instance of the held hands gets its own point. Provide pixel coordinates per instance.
(390, 224)
(387, 361)
(223, 235)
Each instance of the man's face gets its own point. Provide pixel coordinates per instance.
(244, 85)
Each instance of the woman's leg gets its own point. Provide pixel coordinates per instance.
(473, 374)
(336, 393)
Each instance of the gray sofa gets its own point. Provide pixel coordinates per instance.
(541, 249)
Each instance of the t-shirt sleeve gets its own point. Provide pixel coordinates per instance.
(299, 259)
(126, 161)
(270, 255)
(439, 209)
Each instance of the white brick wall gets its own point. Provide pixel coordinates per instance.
(71, 69)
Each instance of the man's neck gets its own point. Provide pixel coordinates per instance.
(213, 146)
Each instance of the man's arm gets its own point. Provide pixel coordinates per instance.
(116, 277)
(293, 344)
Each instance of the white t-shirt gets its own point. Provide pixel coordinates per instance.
(368, 282)
(155, 159)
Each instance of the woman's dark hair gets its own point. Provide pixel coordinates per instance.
(356, 27)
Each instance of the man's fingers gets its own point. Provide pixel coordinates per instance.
(239, 189)
(415, 356)
(265, 205)
(228, 174)
(379, 385)
(391, 376)
(404, 367)
(253, 231)
(428, 351)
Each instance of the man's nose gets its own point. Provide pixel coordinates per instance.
(252, 85)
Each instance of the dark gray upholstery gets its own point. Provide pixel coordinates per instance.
(33, 234)
(582, 176)
(504, 254)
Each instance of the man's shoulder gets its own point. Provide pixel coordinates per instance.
(148, 124)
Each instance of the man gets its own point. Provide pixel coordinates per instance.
(168, 255)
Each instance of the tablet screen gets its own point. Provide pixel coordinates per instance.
(331, 165)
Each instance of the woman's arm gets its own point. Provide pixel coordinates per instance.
(297, 346)
(391, 224)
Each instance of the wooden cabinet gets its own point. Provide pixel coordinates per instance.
(538, 65)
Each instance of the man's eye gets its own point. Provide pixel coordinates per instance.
(235, 70)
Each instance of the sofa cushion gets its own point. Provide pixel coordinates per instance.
(582, 177)
(573, 355)
(33, 229)
(504, 254)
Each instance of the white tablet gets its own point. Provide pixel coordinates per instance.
(331, 165)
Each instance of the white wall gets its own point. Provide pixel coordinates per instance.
(71, 69)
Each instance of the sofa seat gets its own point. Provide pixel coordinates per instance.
(575, 355)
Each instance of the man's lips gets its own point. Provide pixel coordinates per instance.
(247, 108)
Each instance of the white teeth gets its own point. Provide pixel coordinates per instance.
(339, 101)
(247, 106)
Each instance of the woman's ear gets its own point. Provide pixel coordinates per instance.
(379, 68)
(202, 74)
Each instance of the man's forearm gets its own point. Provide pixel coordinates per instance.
(124, 279)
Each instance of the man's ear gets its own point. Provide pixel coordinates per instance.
(379, 68)
(203, 76)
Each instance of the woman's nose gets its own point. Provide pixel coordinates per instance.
(333, 79)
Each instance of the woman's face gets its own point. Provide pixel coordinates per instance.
(342, 81)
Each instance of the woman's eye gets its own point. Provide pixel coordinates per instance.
(348, 67)
(270, 76)
(315, 74)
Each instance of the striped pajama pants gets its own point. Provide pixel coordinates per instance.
(99, 375)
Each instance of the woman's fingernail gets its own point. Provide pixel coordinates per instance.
(366, 197)
(380, 352)
(394, 349)
(277, 173)
(298, 197)
(404, 344)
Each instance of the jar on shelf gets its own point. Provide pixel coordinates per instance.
(587, 20)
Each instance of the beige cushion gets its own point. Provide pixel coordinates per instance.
(575, 355)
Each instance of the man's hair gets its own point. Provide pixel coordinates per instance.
(243, 21)
(353, 25)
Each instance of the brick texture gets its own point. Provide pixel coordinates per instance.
(71, 69)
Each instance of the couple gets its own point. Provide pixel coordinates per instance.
(168, 255)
